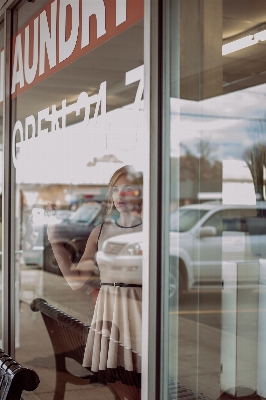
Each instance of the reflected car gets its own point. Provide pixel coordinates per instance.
(202, 236)
(74, 233)
(40, 217)
(123, 253)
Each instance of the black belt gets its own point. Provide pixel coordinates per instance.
(121, 284)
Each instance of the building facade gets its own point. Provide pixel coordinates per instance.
(175, 89)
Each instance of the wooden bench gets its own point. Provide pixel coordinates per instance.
(68, 336)
(14, 378)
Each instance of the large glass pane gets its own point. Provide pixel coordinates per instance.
(77, 90)
(217, 210)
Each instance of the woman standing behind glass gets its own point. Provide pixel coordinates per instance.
(113, 350)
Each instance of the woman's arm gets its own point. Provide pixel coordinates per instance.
(76, 276)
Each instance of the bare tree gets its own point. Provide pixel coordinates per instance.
(255, 157)
(202, 166)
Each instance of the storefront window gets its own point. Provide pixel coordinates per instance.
(217, 208)
(77, 95)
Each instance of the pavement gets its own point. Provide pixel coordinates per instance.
(34, 349)
(194, 338)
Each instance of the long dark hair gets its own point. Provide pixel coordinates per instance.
(135, 177)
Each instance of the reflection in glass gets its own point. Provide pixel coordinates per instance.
(113, 348)
(184, 219)
(218, 140)
(81, 121)
(84, 214)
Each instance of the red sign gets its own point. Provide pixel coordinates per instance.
(64, 30)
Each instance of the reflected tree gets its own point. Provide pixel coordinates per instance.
(255, 157)
(202, 166)
(196, 170)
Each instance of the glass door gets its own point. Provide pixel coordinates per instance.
(77, 101)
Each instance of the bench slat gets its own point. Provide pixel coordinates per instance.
(14, 378)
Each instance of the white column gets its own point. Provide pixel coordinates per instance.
(239, 335)
(261, 385)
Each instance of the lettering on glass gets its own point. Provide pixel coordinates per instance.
(121, 11)
(57, 117)
(84, 101)
(62, 32)
(90, 8)
(18, 129)
(30, 71)
(18, 73)
(136, 74)
(67, 46)
(48, 39)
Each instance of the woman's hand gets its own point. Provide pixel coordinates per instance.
(52, 229)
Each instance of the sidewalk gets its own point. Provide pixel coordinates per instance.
(35, 350)
(194, 355)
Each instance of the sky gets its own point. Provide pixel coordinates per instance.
(231, 123)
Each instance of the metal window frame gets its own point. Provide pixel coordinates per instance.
(8, 256)
(156, 200)
(165, 187)
(7, 5)
(150, 201)
(7, 10)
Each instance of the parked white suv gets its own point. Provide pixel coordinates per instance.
(202, 236)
